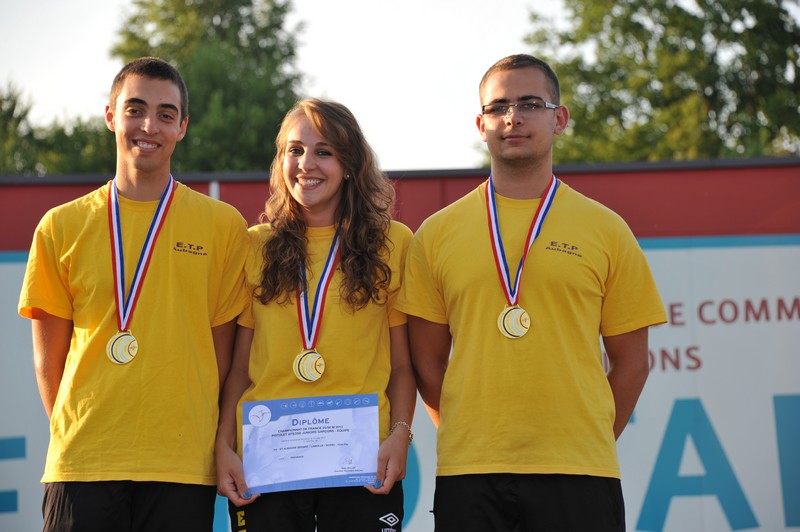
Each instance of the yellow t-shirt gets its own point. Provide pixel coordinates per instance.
(355, 345)
(155, 418)
(540, 403)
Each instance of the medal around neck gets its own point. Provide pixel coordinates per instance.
(513, 322)
(309, 365)
(122, 348)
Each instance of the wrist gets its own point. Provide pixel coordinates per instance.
(405, 425)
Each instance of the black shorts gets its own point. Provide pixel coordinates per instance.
(504, 502)
(127, 506)
(324, 510)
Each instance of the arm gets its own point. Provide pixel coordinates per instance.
(230, 474)
(402, 395)
(628, 371)
(51, 339)
(223, 347)
(430, 354)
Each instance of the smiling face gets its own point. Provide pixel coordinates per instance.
(147, 123)
(515, 139)
(312, 173)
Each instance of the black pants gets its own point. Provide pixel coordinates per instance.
(503, 502)
(127, 506)
(324, 510)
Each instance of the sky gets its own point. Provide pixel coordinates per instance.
(409, 71)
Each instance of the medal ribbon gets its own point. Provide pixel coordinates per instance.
(511, 291)
(310, 321)
(125, 306)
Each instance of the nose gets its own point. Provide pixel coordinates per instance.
(150, 125)
(306, 161)
(513, 116)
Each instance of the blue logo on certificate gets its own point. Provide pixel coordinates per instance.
(310, 442)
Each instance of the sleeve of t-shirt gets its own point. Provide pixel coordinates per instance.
(233, 294)
(631, 299)
(400, 237)
(252, 268)
(420, 294)
(46, 282)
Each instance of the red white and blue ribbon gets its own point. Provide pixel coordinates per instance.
(510, 290)
(310, 321)
(126, 305)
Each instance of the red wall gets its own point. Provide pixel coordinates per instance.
(657, 200)
(711, 202)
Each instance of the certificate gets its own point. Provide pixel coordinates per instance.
(310, 442)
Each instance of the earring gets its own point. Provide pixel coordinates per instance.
(346, 176)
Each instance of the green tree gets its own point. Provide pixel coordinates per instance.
(17, 139)
(237, 60)
(82, 147)
(668, 79)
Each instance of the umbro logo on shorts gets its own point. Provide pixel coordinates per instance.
(391, 520)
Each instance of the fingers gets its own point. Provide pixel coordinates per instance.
(238, 493)
(386, 478)
(383, 487)
(392, 456)
(231, 482)
(380, 478)
(241, 494)
(244, 499)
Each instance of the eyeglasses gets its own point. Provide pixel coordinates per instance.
(526, 108)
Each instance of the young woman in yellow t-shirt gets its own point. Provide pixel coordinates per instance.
(328, 232)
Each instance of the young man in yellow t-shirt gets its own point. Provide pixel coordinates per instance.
(520, 278)
(132, 292)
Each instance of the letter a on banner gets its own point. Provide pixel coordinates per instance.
(689, 420)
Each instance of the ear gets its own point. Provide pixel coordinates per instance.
(481, 126)
(561, 120)
(184, 125)
(110, 118)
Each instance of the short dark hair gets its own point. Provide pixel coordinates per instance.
(513, 62)
(155, 68)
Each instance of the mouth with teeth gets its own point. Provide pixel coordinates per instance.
(145, 145)
(308, 181)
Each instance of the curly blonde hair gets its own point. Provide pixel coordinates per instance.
(362, 218)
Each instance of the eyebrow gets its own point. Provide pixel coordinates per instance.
(317, 145)
(139, 101)
(526, 98)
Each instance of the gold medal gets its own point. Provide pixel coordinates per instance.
(122, 348)
(308, 365)
(513, 322)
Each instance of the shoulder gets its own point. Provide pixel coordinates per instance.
(576, 203)
(399, 232)
(464, 208)
(195, 199)
(398, 238)
(575, 214)
(259, 233)
(80, 209)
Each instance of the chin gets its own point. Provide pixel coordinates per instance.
(517, 159)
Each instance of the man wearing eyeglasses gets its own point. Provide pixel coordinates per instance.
(508, 291)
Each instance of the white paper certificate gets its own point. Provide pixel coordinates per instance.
(310, 442)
